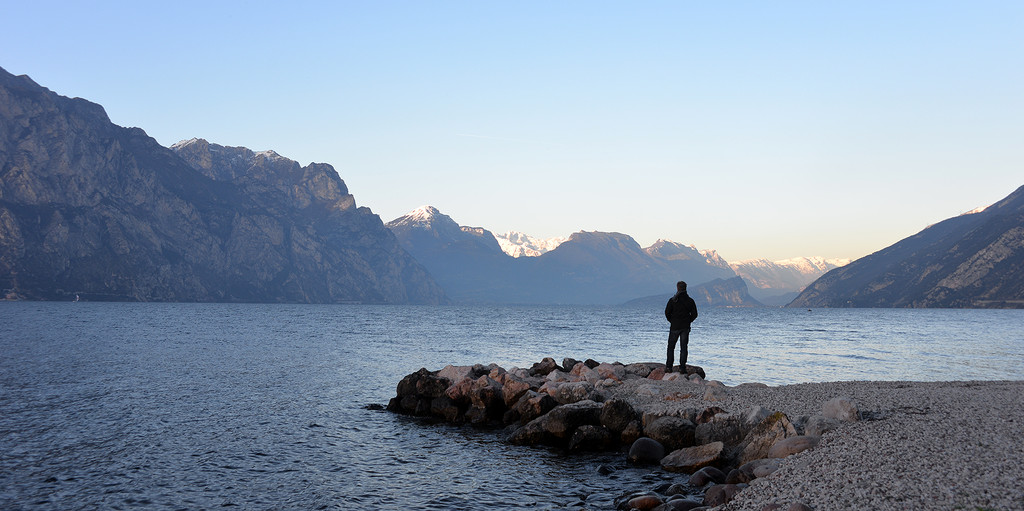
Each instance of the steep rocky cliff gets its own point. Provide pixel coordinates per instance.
(92, 209)
(972, 260)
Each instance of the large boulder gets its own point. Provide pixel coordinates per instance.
(581, 372)
(691, 459)
(590, 438)
(445, 408)
(773, 428)
(557, 426)
(615, 372)
(672, 432)
(543, 367)
(573, 392)
(512, 388)
(488, 403)
(616, 414)
(455, 374)
(642, 369)
(532, 405)
(645, 451)
(563, 420)
(724, 427)
(460, 391)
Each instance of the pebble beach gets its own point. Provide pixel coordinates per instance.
(917, 445)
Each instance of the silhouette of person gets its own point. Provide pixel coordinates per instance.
(680, 312)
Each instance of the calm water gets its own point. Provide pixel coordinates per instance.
(200, 406)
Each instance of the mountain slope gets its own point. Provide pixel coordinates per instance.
(93, 209)
(972, 260)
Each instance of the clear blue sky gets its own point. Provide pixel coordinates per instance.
(759, 129)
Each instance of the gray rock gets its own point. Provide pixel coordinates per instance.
(720, 494)
(754, 415)
(616, 414)
(590, 438)
(716, 394)
(726, 428)
(841, 408)
(818, 425)
(631, 433)
(672, 432)
(792, 445)
(645, 451)
(760, 440)
(707, 475)
(563, 420)
(455, 374)
(573, 392)
(532, 405)
(691, 459)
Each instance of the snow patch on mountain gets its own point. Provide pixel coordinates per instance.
(786, 274)
(518, 244)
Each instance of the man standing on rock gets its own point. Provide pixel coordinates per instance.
(680, 312)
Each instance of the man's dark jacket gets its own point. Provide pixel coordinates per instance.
(680, 311)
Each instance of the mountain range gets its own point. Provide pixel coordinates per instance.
(93, 210)
(972, 260)
(585, 268)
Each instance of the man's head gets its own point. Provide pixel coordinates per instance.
(680, 286)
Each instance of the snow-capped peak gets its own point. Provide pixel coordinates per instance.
(518, 244)
(423, 214)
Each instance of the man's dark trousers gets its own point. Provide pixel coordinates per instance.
(682, 336)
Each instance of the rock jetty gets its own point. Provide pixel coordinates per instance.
(885, 445)
(593, 406)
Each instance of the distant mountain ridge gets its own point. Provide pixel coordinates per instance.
(779, 282)
(972, 260)
(587, 268)
(94, 210)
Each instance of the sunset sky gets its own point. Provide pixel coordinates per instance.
(759, 129)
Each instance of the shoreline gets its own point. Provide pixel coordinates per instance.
(907, 444)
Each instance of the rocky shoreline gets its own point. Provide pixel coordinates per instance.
(746, 447)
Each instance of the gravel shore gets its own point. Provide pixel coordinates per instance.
(918, 445)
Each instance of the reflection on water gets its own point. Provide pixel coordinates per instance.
(192, 406)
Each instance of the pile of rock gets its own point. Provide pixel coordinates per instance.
(491, 395)
(587, 406)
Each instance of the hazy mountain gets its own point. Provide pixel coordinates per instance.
(93, 209)
(517, 244)
(587, 268)
(717, 293)
(466, 261)
(779, 282)
(972, 260)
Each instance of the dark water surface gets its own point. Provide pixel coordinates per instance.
(202, 406)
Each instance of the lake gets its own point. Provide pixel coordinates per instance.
(201, 406)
